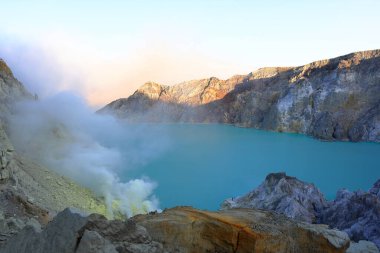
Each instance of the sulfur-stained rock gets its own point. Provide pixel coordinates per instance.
(185, 230)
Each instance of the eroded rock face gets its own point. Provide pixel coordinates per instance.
(16, 213)
(285, 195)
(357, 213)
(92, 242)
(335, 99)
(184, 229)
(5, 168)
(6, 157)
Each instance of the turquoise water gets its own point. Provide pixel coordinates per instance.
(201, 165)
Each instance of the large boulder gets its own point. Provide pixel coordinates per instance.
(185, 230)
(357, 213)
(71, 231)
(283, 194)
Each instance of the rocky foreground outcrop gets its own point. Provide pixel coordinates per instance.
(283, 194)
(335, 99)
(182, 230)
(356, 213)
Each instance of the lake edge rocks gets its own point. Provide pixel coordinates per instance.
(356, 213)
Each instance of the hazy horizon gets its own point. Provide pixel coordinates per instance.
(106, 50)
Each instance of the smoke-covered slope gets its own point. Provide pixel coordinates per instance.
(64, 135)
(11, 90)
(335, 99)
(29, 191)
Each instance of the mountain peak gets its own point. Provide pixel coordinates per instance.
(151, 89)
(4, 69)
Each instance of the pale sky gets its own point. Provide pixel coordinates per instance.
(105, 50)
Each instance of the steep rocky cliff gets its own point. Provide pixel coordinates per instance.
(335, 99)
(356, 213)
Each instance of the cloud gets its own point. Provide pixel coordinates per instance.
(39, 70)
(100, 73)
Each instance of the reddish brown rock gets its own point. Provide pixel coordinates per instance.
(187, 230)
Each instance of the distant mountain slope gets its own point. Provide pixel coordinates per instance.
(334, 99)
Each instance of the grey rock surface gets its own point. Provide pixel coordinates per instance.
(362, 247)
(356, 213)
(375, 190)
(285, 195)
(92, 242)
(334, 236)
(71, 232)
(334, 99)
(60, 235)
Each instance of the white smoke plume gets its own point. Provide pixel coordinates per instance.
(62, 133)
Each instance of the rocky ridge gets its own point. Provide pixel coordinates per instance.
(356, 213)
(283, 194)
(334, 99)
